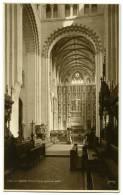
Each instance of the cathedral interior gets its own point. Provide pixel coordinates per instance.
(61, 97)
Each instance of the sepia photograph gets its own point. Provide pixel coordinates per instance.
(61, 97)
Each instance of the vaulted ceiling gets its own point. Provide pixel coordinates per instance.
(73, 54)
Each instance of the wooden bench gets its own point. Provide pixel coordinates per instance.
(78, 157)
(36, 153)
(92, 159)
(22, 151)
(22, 154)
(73, 158)
(109, 157)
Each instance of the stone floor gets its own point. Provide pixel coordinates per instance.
(52, 173)
(59, 150)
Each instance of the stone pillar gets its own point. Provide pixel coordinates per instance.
(8, 31)
(116, 18)
(48, 69)
(52, 6)
(39, 88)
(107, 37)
(36, 87)
(13, 48)
(7, 43)
(30, 90)
(50, 95)
(15, 61)
(42, 10)
(19, 43)
(71, 10)
(61, 10)
(44, 89)
(37, 83)
(112, 42)
(81, 10)
(99, 65)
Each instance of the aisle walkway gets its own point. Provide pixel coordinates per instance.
(59, 150)
(52, 173)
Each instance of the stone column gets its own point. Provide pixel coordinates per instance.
(13, 43)
(44, 86)
(116, 18)
(113, 44)
(36, 86)
(50, 95)
(16, 62)
(52, 6)
(38, 92)
(19, 43)
(81, 10)
(39, 88)
(7, 41)
(107, 37)
(10, 47)
(42, 9)
(71, 10)
(61, 10)
(99, 65)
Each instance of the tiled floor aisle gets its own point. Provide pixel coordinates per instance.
(52, 173)
(59, 149)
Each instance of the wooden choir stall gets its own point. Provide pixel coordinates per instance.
(19, 153)
(99, 158)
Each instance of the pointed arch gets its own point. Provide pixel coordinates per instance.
(28, 14)
(76, 29)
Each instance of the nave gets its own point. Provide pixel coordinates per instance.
(51, 173)
(60, 169)
(61, 97)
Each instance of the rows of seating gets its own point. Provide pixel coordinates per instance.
(76, 159)
(109, 157)
(22, 154)
(99, 163)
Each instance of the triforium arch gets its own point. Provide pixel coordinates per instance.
(73, 31)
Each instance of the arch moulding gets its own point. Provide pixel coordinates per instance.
(73, 30)
(95, 40)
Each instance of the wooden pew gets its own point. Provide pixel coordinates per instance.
(36, 153)
(22, 154)
(73, 158)
(22, 151)
(109, 158)
(78, 161)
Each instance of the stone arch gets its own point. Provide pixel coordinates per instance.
(29, 15)
(73, 29)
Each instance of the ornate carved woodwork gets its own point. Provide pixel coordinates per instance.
(76, 106)
(108, 109)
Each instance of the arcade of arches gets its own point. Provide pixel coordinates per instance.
(61, 94)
